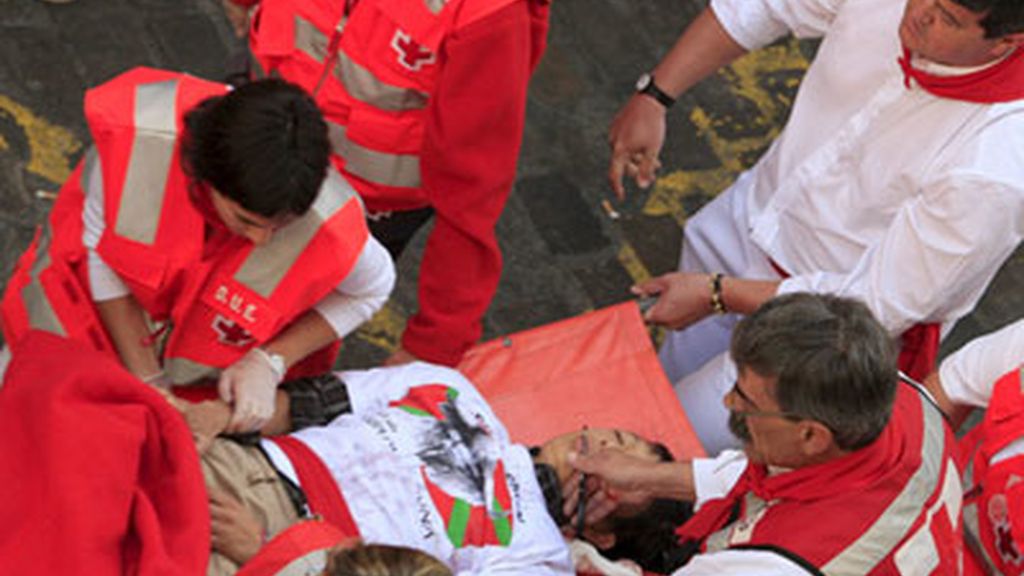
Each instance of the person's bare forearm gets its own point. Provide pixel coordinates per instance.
(125, 322)
(304, 336)
(702, 49)
(671, 480)
(743, 296)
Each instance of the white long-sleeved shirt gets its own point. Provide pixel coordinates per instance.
(867, 177)
(969, 374)
(885, 193)
(355, 300)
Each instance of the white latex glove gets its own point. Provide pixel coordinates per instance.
(249, 386)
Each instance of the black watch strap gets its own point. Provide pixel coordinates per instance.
(646, 85)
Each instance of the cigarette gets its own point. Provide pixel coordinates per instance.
(46, 195)
(611, 212)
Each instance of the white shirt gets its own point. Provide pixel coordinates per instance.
(904, 200)
(968, 376)
(868, 176)
(379, 453)
(359, 295)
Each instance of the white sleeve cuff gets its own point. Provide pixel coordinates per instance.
(968, 375)
(715, 477)
(362, 293)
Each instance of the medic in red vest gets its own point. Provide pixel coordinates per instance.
(844, 470)
(425, 102)
(987, 373)
(200, 237)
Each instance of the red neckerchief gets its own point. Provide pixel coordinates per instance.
(851, 473)
(1001, 82)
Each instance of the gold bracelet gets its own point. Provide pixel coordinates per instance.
(717, 303)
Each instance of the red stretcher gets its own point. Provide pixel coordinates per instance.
(598, 369)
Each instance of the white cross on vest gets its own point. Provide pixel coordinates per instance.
(229, 332)
(411, 54)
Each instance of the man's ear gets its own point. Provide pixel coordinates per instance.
(816, 439)
(600, 539)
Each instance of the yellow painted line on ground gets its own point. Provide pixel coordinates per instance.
(632, 263)
(51, 147)
(745, 79)
(671, 190)
(385, 329)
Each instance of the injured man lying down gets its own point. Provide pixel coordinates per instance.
(410, 456)
(420, 460)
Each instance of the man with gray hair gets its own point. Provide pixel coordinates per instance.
(844, 470)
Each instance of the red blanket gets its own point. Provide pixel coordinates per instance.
(98, 472)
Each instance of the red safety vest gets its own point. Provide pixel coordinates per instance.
(372, 67)
(892, 507)
(994, 501)
(221, 295)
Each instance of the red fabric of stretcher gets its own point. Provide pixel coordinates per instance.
(598, 369)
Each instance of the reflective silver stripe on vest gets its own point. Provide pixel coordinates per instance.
(184, 371)
(861, 556)
(41, 314)
(739, 531)
(972, 531)
(138, 216)
(310, 40)
(435, 6)
(266, 265)
(359, 82)
(399, 170)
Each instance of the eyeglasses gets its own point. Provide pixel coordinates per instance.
(757, 411)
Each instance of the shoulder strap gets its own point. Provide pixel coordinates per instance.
(925, 393)
(323, 493)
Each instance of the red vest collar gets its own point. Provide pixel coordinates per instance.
(1001, 82)
(858, 470)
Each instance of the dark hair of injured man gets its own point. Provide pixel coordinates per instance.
(644, 535)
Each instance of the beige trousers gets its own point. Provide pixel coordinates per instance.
(243, 472)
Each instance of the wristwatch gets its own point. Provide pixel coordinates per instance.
(645, 85)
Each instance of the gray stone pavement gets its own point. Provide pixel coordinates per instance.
(563, 254)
